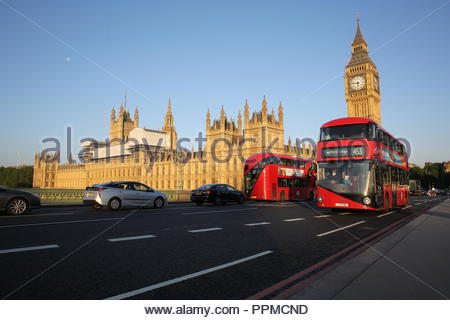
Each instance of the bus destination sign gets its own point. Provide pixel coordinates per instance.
(344, 152)
(290, 172)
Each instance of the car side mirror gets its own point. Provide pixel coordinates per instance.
(151, 190)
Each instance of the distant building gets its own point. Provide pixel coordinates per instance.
(446, 166)
(151, 156)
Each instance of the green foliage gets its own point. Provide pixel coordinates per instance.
(432, 175)
(21, 177)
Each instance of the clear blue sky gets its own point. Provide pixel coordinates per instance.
(204, 54)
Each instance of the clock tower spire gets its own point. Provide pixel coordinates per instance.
(362, 91)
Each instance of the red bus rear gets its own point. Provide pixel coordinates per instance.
(360, 166)
(277, 177)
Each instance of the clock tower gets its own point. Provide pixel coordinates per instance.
(362, 86)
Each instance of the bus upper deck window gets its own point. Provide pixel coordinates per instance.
(372, 131)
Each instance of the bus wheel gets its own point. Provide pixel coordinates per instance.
(282, 197)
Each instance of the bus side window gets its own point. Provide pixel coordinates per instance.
(391, 142)
(394, 175)
(404, 175)
(379, 175)
(388, 140)
(386, 175)
(380, 136)
(373, 131)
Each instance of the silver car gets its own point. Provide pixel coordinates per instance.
(120, 194)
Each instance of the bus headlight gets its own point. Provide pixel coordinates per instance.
(367, 201)
(319, 199)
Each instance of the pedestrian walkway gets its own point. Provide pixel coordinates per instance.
(411, 263)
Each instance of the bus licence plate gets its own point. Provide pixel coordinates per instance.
(341, 204)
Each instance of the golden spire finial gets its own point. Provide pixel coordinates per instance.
(264, 104)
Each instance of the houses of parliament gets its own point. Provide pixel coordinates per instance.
(154, 158)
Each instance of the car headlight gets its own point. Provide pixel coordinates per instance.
(319, 199)
(367, 200)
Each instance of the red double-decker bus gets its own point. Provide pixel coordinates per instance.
(277, 177)
(361, 166)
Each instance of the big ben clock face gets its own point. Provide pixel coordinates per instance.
(357, 83)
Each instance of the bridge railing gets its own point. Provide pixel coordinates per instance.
(77, 195)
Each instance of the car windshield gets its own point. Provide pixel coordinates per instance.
(352, 131)
(345, 177)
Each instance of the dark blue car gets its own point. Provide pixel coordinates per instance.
(17, 202)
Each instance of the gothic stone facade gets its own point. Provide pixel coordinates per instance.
(362, 84)
(220, 161)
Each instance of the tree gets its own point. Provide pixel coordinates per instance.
(21, 177)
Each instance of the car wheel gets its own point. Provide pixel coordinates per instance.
(114, 204)
(199, 203)
(159, 203)
(17, 206)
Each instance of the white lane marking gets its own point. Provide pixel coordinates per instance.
(217, 211)
(132, 238)
(186, 277)
(205, 230)
(339, 229)
(345, 213)
(385, 214)
(50, 246)
(408, 206)
(294, 219)
(256, 224)
(322, 216)
(59, 222)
